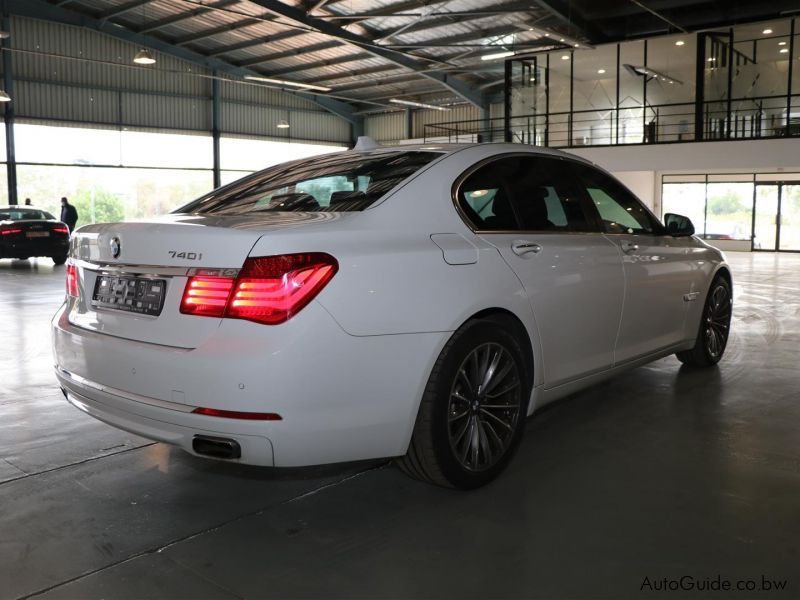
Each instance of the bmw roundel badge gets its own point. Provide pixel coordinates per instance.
(116, 247)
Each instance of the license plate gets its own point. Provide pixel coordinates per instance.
(140, 295)
(31, 234)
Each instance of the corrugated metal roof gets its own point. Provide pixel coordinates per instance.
(246, 34)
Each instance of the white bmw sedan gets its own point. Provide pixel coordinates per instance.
(416, 302)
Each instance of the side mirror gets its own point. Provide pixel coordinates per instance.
(678, 225)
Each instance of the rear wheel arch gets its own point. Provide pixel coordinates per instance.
(511, 323)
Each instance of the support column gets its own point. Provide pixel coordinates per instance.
(8, 117)
(215, 110)
(409, 124)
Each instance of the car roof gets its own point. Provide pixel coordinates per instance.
(497, 147)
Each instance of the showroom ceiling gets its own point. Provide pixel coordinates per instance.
(366, 53)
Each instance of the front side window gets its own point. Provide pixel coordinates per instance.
(618, 209)
(332, 183)
(528, 193)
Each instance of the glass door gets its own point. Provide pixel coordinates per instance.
(776, 218)
(765, 217)
(789, 218)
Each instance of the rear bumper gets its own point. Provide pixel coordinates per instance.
(163, 423)
(25, 248)
(341, 397)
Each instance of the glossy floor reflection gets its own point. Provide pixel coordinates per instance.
(660, 472)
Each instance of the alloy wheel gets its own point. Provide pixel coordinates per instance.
(717, 321)
(484, 406)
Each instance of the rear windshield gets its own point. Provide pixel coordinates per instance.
(24, 214)
(332, 183)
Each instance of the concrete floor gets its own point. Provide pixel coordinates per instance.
(661, 472)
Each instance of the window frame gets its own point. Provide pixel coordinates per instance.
(595, 226)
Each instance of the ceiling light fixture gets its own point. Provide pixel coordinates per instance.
(417, 104)
(784, 51)
(504, 54)
(601, 71)
(4, 97)
(767, 31)
(282, 124)
(565, 57)
(305, 86)
(4, 35)
(680, 43)
(144, 57)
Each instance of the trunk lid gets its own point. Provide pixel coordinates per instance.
(163, 251)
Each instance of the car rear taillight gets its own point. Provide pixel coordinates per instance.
(72, 280)
(60, 229)
(9, 230)
(269, 289)
(206, 296)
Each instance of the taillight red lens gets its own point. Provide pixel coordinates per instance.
(269, 289)
(206, 296)
(272, 289)
(9, 230)
(60, 229)
(72, 280)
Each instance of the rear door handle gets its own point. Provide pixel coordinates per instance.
(628, 246)
(523, 247)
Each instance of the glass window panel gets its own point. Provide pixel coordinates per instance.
(631, 93)
(147, 149)
(594, 95)
(671, 87)
(3, 142)
(729, 211)
(687, 199)
(108, 194)
(227, 177)
(559, 80)
(66, 145)
(254, 155)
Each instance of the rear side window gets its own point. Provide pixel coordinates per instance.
(335, 183)
(530, 193)
(619, 210)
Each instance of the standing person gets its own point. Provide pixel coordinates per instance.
(69, 214)
(27, 201)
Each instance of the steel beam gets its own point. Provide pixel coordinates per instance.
(207, 33)
(287, 53)
(276, 37)
(185, 15)
(8, 116)
(300, 16)
(123, 8)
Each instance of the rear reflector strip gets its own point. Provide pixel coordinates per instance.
(235, 414)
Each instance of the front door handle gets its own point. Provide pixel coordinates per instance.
(523, 247)
(628, 246)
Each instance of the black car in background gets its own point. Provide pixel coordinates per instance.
(27, 232)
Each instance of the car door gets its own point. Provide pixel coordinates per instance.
(527, 207)
(658, 273)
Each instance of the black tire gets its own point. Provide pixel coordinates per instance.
(715, 322)
(59, 259)
(450, 402)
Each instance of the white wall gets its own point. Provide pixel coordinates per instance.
(641, 183)
(640, 167)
